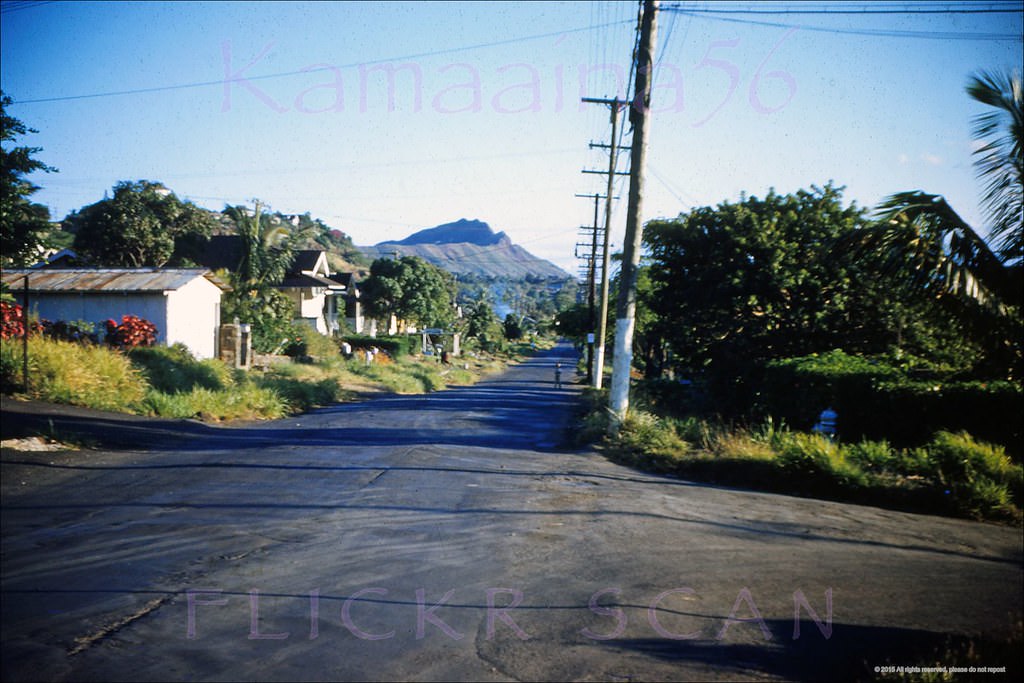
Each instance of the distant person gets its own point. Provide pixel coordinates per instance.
(558, 375)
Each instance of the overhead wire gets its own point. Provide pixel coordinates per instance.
(711, 15)
(305, 71)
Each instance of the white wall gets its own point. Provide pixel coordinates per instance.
(194, 315)
(97, 308)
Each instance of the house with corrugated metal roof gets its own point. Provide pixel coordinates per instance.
(183, 303)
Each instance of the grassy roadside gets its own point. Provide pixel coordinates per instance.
(953, 474)
(169, 382)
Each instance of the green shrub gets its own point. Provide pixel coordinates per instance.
(815, 460)
(246, 401)
(874, 456)
(173, 369)
(877, 400)
(305, 342)
(980, 477)
(302, 394)
(396, 347)
(652, 436)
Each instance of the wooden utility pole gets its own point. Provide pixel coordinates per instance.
(591, 260)
(625, 313)
(602, 332)
(603, 320)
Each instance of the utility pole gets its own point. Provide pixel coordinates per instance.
(602, 332)
(625, 313)
(591, 261)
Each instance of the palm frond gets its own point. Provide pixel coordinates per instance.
(1000, 160)
(921, 236)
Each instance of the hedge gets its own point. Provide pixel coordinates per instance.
(875, 400)
(405, 345)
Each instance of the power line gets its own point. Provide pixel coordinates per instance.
(9, 7)
(931, 8)
(303, 72)
(878, 33)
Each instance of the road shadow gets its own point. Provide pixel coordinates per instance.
(520, 409)
(851, 652)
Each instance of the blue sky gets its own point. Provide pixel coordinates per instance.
(483, 119)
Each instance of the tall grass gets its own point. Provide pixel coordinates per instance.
(84, 375)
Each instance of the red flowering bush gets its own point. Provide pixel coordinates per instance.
(133, 331)
(12, 321)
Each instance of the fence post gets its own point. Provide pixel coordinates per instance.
(24, 336)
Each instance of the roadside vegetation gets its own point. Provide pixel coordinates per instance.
(757, 318)
(169, 382)
(951, 473)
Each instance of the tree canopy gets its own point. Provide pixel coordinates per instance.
(143, 224)
(735, 286)
(23, 223)
(410, 289)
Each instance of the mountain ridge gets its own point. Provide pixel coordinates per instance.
(469, 247)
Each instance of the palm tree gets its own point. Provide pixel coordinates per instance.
(267, 254)
(1000, 158)
(943, 252)
(268, 249)
(934, 252)
(923, 245)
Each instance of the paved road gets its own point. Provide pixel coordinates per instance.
(446, 537)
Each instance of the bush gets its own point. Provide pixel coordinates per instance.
(131, 332)
(980, 477)
(876, 400)
(174, 370)
(246, 401)
(305, 342)
(395, 347)
(652, 436)
(12, 321)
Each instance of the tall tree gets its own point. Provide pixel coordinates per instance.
(23, 223)
(737, 285)
(410, 289)
(143, 224)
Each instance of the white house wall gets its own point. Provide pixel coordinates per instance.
(194, 314)
(97, 308)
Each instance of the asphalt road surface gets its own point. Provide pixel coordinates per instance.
(449, 537)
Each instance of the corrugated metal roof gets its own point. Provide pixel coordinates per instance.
(107, 279)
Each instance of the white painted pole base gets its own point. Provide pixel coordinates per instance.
(618, 402)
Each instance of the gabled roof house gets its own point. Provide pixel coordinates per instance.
(321, 298)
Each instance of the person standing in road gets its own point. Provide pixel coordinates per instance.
(558, 375)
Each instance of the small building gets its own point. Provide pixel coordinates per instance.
(183, 303)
